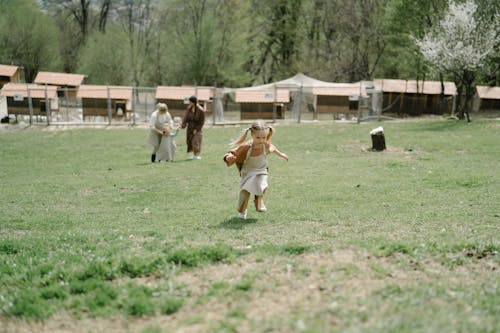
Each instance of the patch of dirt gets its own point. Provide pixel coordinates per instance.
(354, 147)
(284, 287)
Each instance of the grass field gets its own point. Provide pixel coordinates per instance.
(93, 238)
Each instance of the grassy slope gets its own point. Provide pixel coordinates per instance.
(404, 240)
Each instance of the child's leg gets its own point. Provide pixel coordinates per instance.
(243, 201)
(259, 203)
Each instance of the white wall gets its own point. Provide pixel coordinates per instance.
(3, 106)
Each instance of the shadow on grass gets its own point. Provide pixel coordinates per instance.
(236, 223)
(166, 163)
(445, 124)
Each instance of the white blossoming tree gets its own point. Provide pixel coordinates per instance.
(461, 45)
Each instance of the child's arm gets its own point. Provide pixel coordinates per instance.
(236, 155)
(274, 150)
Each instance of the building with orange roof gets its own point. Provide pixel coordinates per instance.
(260, 103)
(22, 97)
(66, 83)
(102, 100)
(412, 97)
(9, 74)
(176, 98)
(487, 99)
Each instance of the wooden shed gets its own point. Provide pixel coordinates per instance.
(176, 98)
(100, 100)
(487, 98)
(66, 83)
(260, 103)
(9, 74)
(411, 97)
(21, 95)
(337, 99)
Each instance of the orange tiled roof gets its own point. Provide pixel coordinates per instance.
(23, 89)
(341, 90)
(410, 86)
(101, 91)
(59, 79)
(485, 92)
(6, 70)
(180, 93)
(262, 96)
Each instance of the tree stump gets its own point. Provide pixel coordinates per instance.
(378, 139)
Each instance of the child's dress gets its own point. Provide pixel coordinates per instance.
(166, 151)
(254, 173)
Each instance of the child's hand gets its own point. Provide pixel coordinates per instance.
(285, 156)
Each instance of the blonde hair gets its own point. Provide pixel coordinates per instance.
(256, 126)
(162, 107)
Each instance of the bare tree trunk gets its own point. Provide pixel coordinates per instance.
(103, 14)
(468, 81)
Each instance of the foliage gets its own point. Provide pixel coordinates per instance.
(403, 19)
(231, 43)
(104, 58)
(28, 38)
(460, 45)
(275, 36)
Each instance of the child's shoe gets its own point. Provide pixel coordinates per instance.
(242, 215)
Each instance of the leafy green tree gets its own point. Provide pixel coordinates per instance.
(402, 20)
(202, 42)
(76, 20)
(28, 38)
(104, 58)
(69, 42)
(342, 40)
(274, 39)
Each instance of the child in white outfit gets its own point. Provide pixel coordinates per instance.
(251, 160)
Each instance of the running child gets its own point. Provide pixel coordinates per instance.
(250, 158)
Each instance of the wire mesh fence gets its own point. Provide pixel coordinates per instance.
(108, 105)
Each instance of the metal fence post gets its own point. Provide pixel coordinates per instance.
(213, 103)
(47, 106)
(134, 88)
(274, 103)
(30, 104)
(109, 106)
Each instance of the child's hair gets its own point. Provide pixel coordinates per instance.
(256, 126)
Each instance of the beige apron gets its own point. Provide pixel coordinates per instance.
(254, 173)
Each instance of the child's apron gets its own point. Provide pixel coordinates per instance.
(254, 173)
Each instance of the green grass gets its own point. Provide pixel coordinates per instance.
(404, 240)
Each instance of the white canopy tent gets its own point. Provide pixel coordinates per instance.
(301, 91)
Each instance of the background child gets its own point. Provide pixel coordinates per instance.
(251, 161)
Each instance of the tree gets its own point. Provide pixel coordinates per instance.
(274, 39)
(342, 39)
(104, 58)
(135, 17)
(460, 45)
(27, 38)
(202, 42)
(402, 20)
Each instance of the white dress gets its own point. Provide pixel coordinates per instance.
(254, 173)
